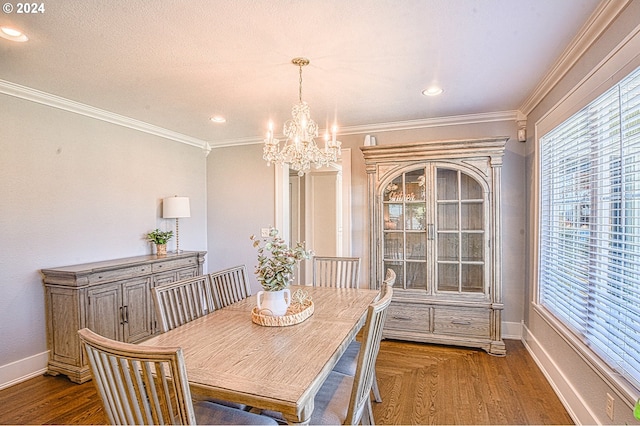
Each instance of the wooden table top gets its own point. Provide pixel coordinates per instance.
(279, 368)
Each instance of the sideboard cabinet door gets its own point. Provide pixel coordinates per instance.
(112, 298)
(434, 210)
(137, 309)
(104, 310)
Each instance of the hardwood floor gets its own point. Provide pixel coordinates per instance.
(433, 384)
(419, 383)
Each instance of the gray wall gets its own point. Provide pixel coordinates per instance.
(74, 190)
(583, 388)
(240, 193)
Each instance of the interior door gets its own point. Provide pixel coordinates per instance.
(320, 211)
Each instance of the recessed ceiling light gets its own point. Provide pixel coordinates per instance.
(218, 119)
(12, 34)
(432, 91)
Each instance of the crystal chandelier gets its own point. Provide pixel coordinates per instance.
(300, 150)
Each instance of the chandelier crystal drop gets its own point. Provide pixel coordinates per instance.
(300, 150)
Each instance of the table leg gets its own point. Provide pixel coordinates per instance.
(303, 418)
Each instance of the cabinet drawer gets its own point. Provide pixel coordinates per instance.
(461, 321)
(119, 274)
(173, 264)
(407, 317)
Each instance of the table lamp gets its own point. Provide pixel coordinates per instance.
(176, 207)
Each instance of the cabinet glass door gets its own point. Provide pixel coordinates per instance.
(404, 216)
(460, 232)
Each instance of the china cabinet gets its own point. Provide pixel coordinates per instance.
(112, 298)
(434, 211)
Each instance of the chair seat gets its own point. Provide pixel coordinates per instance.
(197, 398)
(348, 363)
(210, 413)
(329, 403)
(330, 407)
(349, 360)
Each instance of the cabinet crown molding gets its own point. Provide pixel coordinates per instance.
(429, 150)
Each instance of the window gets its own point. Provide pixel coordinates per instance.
(589, 270)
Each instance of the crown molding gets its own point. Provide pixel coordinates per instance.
(33, 95)
(606, 12)
(395, 126)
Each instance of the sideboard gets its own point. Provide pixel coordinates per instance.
(112, 298)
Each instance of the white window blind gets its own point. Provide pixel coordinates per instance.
(590, 225)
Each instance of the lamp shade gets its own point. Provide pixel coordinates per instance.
(174, 207)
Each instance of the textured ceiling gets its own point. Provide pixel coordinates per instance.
(174, 64)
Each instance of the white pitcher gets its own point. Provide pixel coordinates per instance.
(274, 303)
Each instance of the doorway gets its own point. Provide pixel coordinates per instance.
(319, 211)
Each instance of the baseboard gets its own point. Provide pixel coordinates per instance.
(577, 408)
(23, 369)
(512, 330)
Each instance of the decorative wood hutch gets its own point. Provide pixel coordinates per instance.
(112, 298)
(434, 210)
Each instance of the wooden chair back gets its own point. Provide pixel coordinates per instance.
(137, 384)
(365, 371)
(341, 272)
(389, 278)
(229, 286)
(182, 301)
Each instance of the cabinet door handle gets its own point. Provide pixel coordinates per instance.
(430, 231)
(126, 314)
(121, 315)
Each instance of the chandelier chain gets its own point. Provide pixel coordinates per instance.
(300, 87)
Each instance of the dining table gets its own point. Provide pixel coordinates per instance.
(276, 368)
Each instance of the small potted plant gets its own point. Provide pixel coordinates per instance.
(276, 264)
(160, 238)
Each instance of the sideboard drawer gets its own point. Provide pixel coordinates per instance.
(119, 274)
(408, 317)
(174, 264)
(461, 321)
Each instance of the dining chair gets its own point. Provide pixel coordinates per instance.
(349, 359)
(345, 399)
(330, 401)
(342, 272)
(143, 385)
(229, 286)
(182, 301)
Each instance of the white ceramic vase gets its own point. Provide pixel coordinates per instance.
(274, 303)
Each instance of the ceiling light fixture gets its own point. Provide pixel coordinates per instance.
(218, 119)
(13, 34)
(300, 150)
(432, 91)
